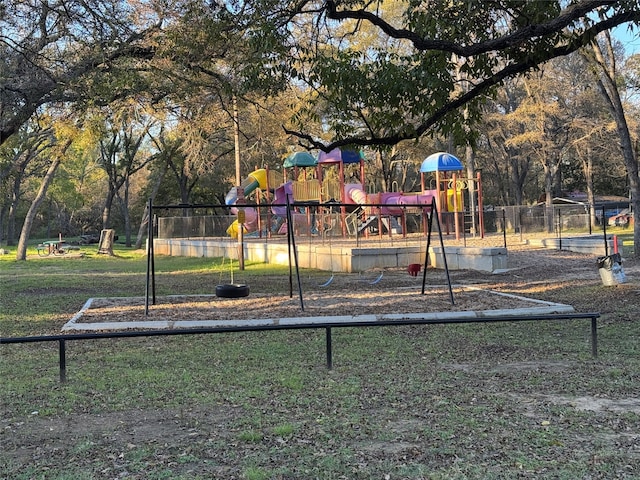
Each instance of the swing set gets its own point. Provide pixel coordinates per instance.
(293, 258)
(237, 290)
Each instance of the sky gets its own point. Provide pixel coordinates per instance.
(630, 39)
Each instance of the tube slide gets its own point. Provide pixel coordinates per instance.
(254, 180)
(250, 222)
(392, 201)
(280, 198)
(354, 192)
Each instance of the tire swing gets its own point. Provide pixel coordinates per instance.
(231, 290)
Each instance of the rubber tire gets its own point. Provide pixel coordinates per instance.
(232, 291)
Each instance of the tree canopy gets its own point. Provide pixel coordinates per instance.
(373, 72)
(69, 51)
(404, 85)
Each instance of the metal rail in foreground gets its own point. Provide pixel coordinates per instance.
(62, 339)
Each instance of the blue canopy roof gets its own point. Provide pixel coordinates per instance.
(441, 162)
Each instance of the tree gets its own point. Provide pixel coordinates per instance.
(383, 96)
(592, 134)
(70, 51)
(25, 160)
(122, 154)
(508, 166)
(602, 57)
(198, 137)
(60, 139)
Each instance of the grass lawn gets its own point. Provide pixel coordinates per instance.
(496, 401)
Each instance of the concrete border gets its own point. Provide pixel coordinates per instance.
(540, 307)
(588, 244)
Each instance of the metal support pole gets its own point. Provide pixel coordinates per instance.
(594, 337)
(329, 348)
(559, 229)
(294, 250)
(604, 231)
(62, 355)
(148, 280)
(504, 228)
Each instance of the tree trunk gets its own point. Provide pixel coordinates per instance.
(587, 170)
(15, 198)
(609, 89)
(106, 212)
(143, 227)
(3, 214)
(124, 202)
(33, 210)
(11, 222)
(145, 215)
(548, 187)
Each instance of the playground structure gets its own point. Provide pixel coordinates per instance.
(326, 204)
(339, 225)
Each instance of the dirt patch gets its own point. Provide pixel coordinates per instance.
(587, 403)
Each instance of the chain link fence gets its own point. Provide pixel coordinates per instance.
(320, 220)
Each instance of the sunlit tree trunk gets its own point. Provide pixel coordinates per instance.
(33, 209)
(145, 216)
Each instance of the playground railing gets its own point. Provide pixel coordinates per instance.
(327, 326)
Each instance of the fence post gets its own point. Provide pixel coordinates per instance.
(594, 337)
(504, 228)
(329, 348)
(559, 230)
(62, 355)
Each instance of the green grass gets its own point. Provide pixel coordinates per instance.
(439, 402)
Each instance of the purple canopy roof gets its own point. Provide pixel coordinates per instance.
(338, 155)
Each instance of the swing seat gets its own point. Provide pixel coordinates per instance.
(328, 282)
(373, 281)
(377, 280)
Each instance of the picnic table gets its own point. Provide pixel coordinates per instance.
(55, 247)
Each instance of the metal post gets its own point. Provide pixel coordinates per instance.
(559, 229)
(444, 258)
(329, 348)
(520, 222)
(480, 205)
(294, 250)
(504, 228)
(594, 337)
(604, 231)
(147, 288)
(426, 252)
(62, 355)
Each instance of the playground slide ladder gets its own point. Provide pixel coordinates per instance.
(352, 221)
(364, 225)
(390, 223)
